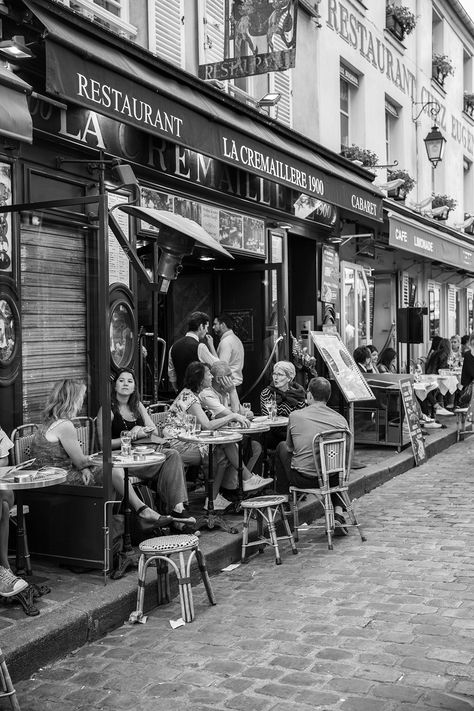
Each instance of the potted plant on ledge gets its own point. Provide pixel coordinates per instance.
(402, 191)
(468, 106)
(360, 156)
(442, 67)
(441, 206)
(399, 20)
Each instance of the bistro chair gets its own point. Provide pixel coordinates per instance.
(157, 412)
(159, 551)
(332, 459)
(264, 509)
(85, 432)
(22, 437)
(8, 690)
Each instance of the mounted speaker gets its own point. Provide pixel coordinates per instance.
(410, 324)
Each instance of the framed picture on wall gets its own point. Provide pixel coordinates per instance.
(5, 219)
(9, 339)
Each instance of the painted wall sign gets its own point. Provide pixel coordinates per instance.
(249, 26)
(417, 240)
(96, 87)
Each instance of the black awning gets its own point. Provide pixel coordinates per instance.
(101, 77)
(15, 118)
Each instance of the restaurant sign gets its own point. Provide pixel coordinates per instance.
(427, 243)
(104, 91)
(254, 24)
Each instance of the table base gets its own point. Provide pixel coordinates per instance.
(214, 520)
(28, 597)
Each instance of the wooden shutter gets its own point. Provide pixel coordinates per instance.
(54, 325)
(211, 31)
(281, 82)
(404, 289)
(166, 30)
(451, 298)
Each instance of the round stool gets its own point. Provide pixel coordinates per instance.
(160, 549)
(265, 508)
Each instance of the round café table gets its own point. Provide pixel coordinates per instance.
(254, 429)
(127, 557)
(19, 480)
(212, 439)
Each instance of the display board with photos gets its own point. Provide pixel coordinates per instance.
(342, 366)
(412, 419)
(236, 232)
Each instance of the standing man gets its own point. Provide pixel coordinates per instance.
(294, 463)
(195, 345)
(230, 348)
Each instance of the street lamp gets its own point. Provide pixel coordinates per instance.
(434, 141)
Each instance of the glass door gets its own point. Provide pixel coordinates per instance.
(355, 306)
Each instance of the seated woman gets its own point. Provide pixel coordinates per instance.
(196, 378)
(285, 394)
(374, 354)
(221, 399)
(388, 361)
(10, 584)
(167, 479)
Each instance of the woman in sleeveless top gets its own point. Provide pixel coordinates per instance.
(167, 479)
(55, 442)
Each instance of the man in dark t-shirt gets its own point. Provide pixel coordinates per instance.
(294, 463)
(197, 344)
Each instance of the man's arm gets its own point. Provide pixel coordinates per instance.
(205, 355)
(224, 350)
(289, 438)
(172, 377)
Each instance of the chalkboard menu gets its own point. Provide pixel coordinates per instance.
(329, 275)
(413, 420)
(342, 366)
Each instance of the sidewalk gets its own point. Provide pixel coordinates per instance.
(80, 608)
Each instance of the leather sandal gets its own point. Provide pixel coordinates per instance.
(154, 523)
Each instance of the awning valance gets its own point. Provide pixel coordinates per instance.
(85, 71)
(429, 243)
(15, 118)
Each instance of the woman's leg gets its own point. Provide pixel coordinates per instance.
(231, 452)
(256, 451)
(135, 502)
(170, 483)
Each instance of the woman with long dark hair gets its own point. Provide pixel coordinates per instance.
(388, 361)
(167, 479)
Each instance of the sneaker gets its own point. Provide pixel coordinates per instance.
(256, 482)
(9, 584)
(220, 503)
(425, 418)
(340, 525)
(432, 425)
(443, 412)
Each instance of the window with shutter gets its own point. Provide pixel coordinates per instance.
(281, 82)
(211, 31)
(166, 30)
(451, 298)
(404, 289)
(54, 320)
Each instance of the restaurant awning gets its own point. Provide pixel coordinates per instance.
(15, 118)
(106, 79)
(432, 244)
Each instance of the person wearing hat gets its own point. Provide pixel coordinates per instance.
(221, 399)
(285, 393)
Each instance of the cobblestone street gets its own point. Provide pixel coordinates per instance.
(382, 625)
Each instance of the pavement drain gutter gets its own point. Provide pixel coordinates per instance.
(87, 616)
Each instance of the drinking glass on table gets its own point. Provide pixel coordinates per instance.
(247, 407)
(125, 443)
(272, 410)
(192, 424)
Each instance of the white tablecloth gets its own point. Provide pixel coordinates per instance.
(427, 383)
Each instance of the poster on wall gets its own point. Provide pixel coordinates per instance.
(254, 235)
(155, 200)
(261, 39)
(119, 266)
(5, 219)
(210, 221)
(329, 275)
(231, 228)
(342, 366)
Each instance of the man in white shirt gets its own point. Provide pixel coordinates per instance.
(230, 348)
(195, 345)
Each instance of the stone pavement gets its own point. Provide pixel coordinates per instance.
(384, 625)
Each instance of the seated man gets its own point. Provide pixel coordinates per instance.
(363, 358)
(221, 398)
(294, 463)
(9, 583)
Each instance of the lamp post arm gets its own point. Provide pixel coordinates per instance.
(434, 111)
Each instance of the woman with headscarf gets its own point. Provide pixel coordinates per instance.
(286, 394)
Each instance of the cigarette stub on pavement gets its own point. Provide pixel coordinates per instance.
(230, 567)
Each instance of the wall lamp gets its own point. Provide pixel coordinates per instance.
(15, 48)
(270, 99)
(435, 141)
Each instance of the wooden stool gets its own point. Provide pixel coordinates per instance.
(160, 549)
(7, 686)
(265, 508)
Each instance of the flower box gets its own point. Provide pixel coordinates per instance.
(399, 20)
(442, 66)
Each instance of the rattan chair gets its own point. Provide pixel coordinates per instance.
(85, 432)
(22, 437)
(332, 459)
(157, 412)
